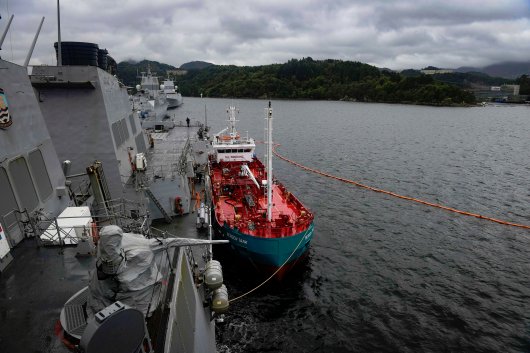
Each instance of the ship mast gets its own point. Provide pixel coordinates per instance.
(269, 162)
(59, 45)
(232, 121)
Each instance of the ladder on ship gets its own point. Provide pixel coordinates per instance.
(158, 205)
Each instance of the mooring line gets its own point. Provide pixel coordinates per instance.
(423, 202)
(271, 276)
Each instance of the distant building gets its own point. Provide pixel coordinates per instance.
(177, 72)
(503, 93)
(512, 89)
(437, 71)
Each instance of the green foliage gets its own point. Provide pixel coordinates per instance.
(411, 73)
(320, 79)
(195, 65)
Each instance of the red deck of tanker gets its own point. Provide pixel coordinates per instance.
(240, 203)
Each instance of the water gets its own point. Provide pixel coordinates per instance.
(385, 274)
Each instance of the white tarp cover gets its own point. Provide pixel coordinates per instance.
(130, 269)
(4, 244)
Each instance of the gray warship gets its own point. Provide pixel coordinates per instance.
(151, 104)
(173, 97)
(75, 168)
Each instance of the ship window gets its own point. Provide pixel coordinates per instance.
(220, 151)
(248, 150)
(40, 174)
(23, 184)
(9, 203)
(133, 125)
(240, 150)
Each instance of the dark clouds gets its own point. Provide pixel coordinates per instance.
(395, 34)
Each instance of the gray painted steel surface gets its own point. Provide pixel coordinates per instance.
(79, 105)
(27, 134)
(81, 120)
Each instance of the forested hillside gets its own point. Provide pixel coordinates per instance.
(307, 79)
(320, 79)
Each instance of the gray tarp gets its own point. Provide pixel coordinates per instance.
(131, 269)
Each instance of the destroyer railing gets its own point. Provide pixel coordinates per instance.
(131, 216)
(183, 160)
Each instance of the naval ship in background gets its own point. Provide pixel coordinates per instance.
(73, 159)
(173, 97)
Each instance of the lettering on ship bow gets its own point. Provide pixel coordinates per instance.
(5, 117)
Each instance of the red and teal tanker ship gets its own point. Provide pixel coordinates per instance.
(263, 221)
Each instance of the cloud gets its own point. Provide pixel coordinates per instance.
(396, 34)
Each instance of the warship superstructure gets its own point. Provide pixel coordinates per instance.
(31, 177)
(173, 97)
(151, 104)
(70, 142)
(86, 107)
(88, 115)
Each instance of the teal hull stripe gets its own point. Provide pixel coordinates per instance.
(268, 251)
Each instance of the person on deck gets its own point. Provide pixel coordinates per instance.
(188, 121)
(197, 202)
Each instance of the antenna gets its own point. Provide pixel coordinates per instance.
(5, 31)
(33, 44)
(205, 115)
(269, 162)
(59, 46)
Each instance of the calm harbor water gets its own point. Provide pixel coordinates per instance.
(383, 274)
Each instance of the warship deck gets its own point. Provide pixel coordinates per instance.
(33, 290)
(164, 158)
(171, 159)
(39, 281)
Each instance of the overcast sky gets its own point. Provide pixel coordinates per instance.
(395, 34)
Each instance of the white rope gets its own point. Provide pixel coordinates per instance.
(271, 276)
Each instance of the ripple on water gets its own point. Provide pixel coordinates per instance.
(387, 275)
